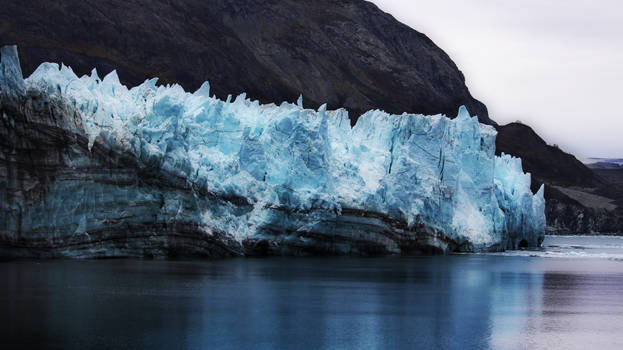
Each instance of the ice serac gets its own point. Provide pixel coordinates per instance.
(92, 168)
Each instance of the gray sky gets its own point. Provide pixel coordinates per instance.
(556, 65)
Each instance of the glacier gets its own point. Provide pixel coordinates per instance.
(92, 168)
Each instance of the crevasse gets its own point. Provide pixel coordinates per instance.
(299, 170)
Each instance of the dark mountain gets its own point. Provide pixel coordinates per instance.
(347, 53)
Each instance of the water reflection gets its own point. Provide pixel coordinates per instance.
(457, 302)
(517, 300)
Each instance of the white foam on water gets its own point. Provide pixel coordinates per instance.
(575, 247)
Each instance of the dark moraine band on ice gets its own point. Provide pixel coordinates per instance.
(91, 168)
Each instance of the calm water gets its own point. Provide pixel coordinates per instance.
(570, 295)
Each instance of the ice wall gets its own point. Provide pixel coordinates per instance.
(293, 176)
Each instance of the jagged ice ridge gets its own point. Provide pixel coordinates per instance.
(291, 176)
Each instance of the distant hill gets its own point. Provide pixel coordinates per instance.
(604, 163)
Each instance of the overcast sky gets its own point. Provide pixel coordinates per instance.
(556, 65)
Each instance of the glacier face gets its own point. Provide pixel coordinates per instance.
(251, 178)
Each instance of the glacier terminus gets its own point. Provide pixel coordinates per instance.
(91, 168)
